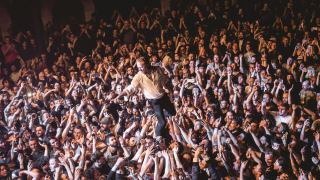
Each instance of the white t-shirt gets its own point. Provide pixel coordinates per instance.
(15, 76)
(282, 119)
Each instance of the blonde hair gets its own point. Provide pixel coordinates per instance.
(141, 60)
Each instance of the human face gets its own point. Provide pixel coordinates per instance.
(53, 164)
(119, 88)
(142, 67)
(112, 141)
(33, 145)
(223, 105)
(266, 98)
(229, 115)
(276, 146)
(263, 141)
(186, 159)
(13, 109)
(240, 79)
(130, 71)
(57, 86)
(197, 126)
(89, 144)
(39, 131)
(3, 171)
(216, 59)
(255, 95)
(77, 133)
(285, 98)
(282, 111)
(54, 143)
(220, 92)
(233, 125)
(135, 99)
(6, 83)
(269, 159)
(149, 142)
(305, 86)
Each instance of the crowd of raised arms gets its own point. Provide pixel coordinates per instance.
(245, 86)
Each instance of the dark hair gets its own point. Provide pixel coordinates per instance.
(42, 126)
(109, 136)
(276, 140)
(96, 155)
(270, 175)
(268, 138)
(6, 79)
(282, 163)
(271, 119)
(136, 107)
(285, 105)
(149, 137)
(269, 152)
(89, 173)
(269, 94)
(285, 127)
(41, 161)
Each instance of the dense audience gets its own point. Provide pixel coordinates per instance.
(245, 87)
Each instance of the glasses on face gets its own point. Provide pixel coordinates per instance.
(4, 169)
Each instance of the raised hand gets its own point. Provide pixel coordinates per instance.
(243, 165)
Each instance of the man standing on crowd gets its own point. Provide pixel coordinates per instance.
(151, 80)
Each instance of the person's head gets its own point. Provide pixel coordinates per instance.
(33, 144)
(98, 159)
(269, 157)
(78, 132)
(111, 140)
(267, 97)
(276, 143)
(7, 39)
(283, 109)
(234, 125)
(135, 99)
(149, 141)
(3, 170)
(40, 130)
(221, 92)
(136, 110)
(119, 88)
(53, 164)
(241, 78)
(265, 140)
(306, 85)
(6, 83)
(142, 65)
(280, 164)
(285, 41)
(216, 58)
(258, 170)
(186, 159)
(54, 68)
(54, 142)
(130, 71)
(224, 104)
(106, 123)
(197, 125)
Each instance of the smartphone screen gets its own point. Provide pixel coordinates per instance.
(190, 80)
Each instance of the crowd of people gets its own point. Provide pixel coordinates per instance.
(201, 92)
